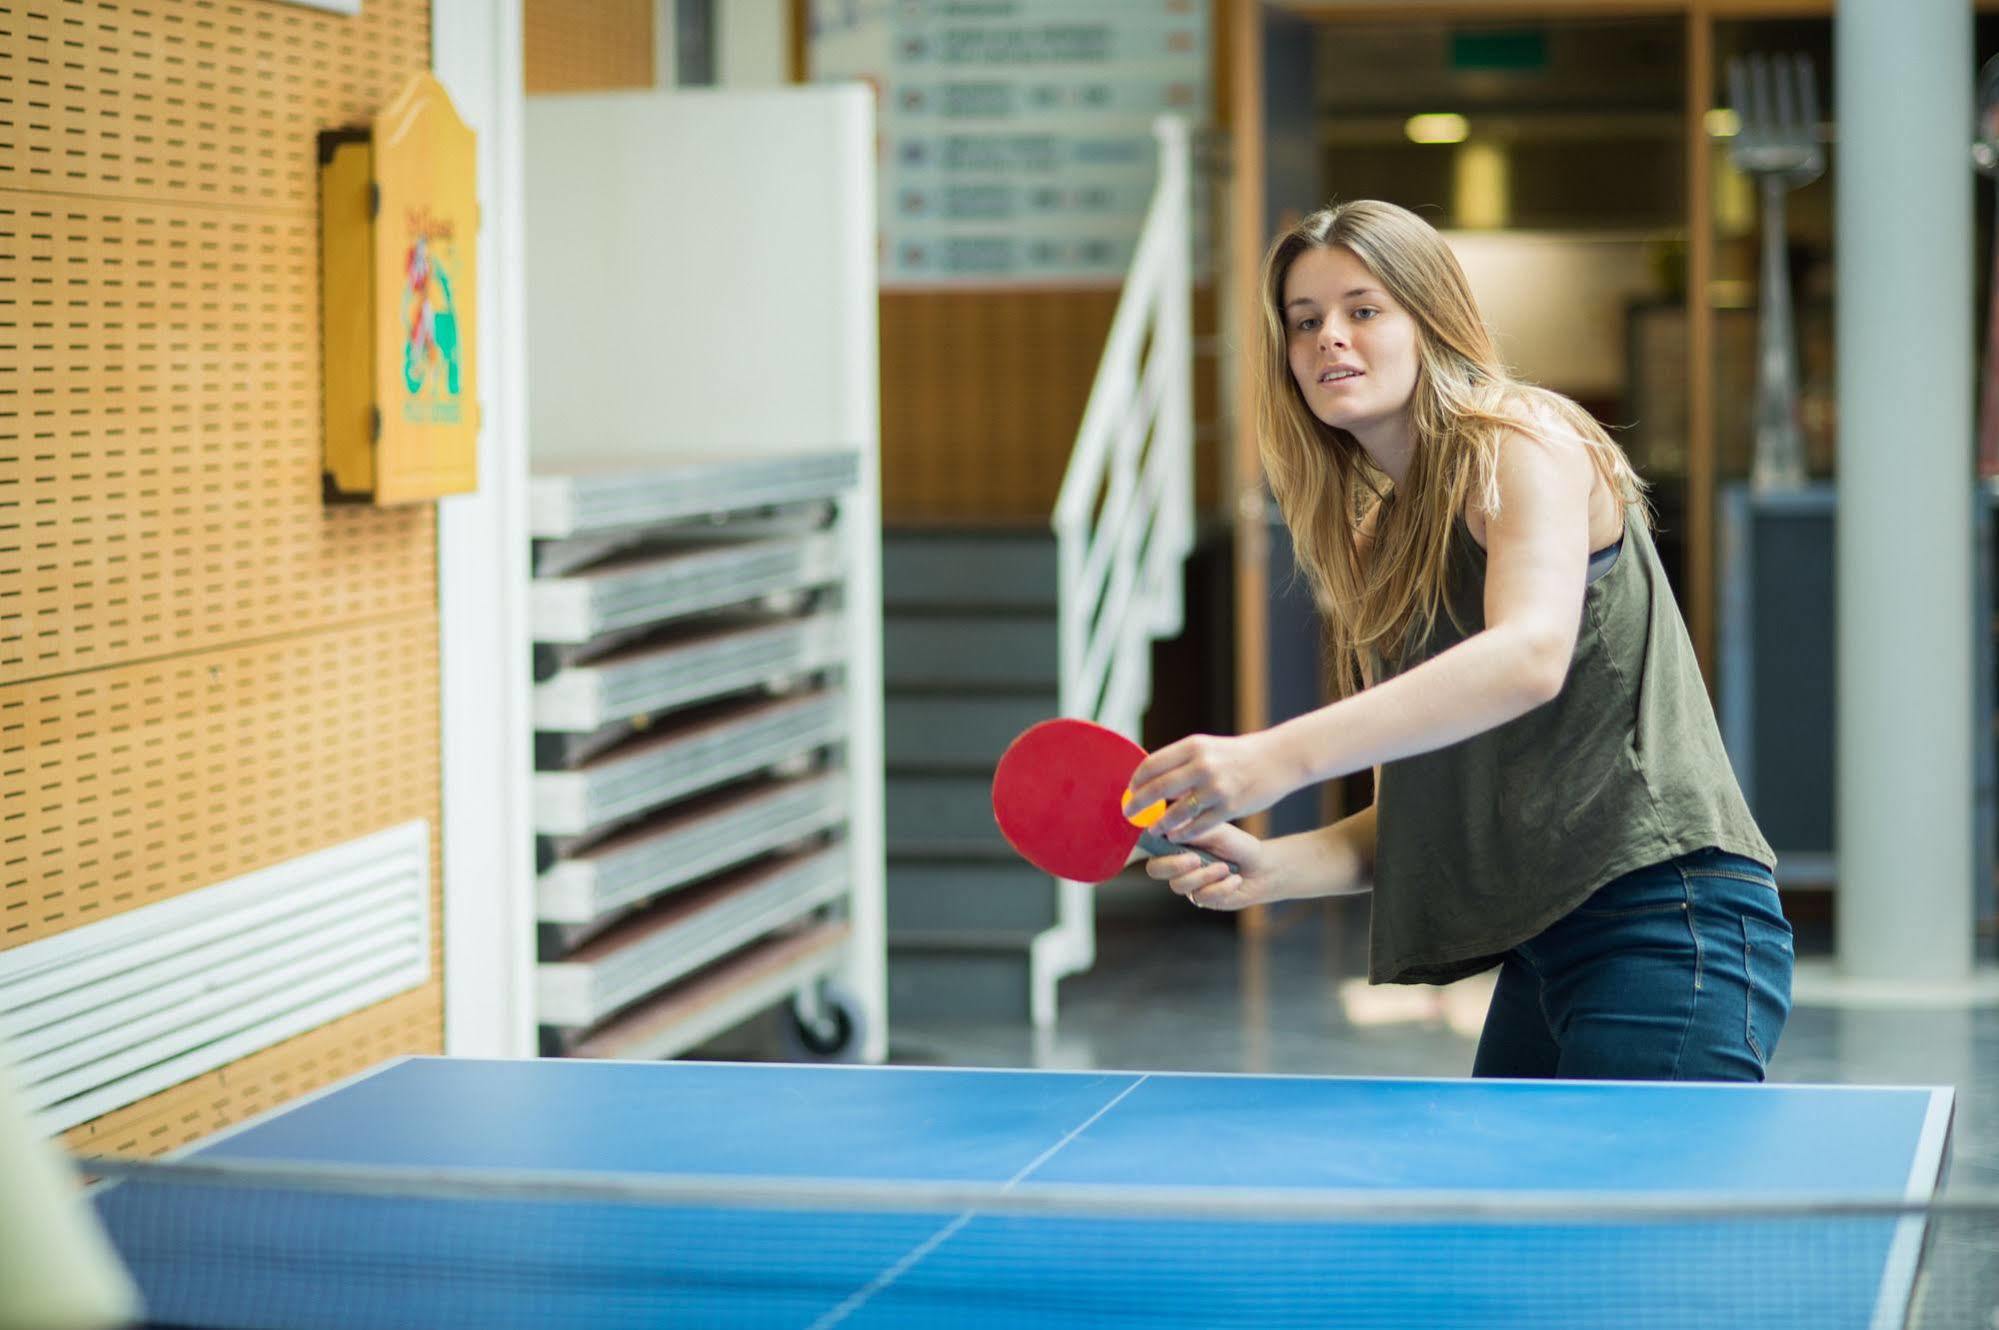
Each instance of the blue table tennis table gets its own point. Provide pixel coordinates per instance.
(997, 1144)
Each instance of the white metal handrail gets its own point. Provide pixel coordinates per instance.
(1124, 521)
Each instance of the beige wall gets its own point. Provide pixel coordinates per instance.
(203, 669)
(1575, 344)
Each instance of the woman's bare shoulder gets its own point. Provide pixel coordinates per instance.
(1539, 423)
(1540, 419)
(1607, 504)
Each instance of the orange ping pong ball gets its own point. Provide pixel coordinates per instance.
(1146, 816)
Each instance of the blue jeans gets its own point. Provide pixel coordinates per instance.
(1676, 972)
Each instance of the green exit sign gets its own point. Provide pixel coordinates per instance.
(1515, 50)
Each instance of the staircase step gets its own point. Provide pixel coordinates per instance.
(945, 815)
(930, 898)
(955, 569)
(955, 650)
(944, 982)
(958, 731)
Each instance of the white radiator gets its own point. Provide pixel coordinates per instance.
(106, 1014)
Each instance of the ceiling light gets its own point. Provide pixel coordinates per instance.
(1443, 128)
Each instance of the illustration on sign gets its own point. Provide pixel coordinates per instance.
(430, 321)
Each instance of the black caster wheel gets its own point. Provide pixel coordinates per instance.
(830, 1029)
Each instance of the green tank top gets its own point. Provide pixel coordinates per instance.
(1483, 844)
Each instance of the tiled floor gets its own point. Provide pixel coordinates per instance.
(1176, 989)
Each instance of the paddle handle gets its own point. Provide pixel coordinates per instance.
(1157, 846)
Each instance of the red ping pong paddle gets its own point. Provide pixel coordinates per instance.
(1058, 796)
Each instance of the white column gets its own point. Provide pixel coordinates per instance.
(482, 576)
(1904, 831)
(665, 45)
(752, 44)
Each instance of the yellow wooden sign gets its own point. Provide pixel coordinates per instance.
(399, 302)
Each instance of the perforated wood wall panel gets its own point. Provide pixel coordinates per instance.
(203, 670)
(193, 101)
(586, 45)
(982, 394)
(159, 440)
(125, 786)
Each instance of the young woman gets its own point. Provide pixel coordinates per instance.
(1551, 792)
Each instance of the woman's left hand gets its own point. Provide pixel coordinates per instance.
(1208, 780)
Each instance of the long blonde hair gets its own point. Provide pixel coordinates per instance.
(1465, 402)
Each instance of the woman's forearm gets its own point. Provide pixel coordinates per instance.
(1482, 682)
(1333, 860)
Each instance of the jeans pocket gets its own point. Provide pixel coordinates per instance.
(1766, 966)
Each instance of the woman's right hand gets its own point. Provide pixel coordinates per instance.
(1213, 886)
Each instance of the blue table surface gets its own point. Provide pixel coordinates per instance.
(215, 1259)
(958, 1124)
